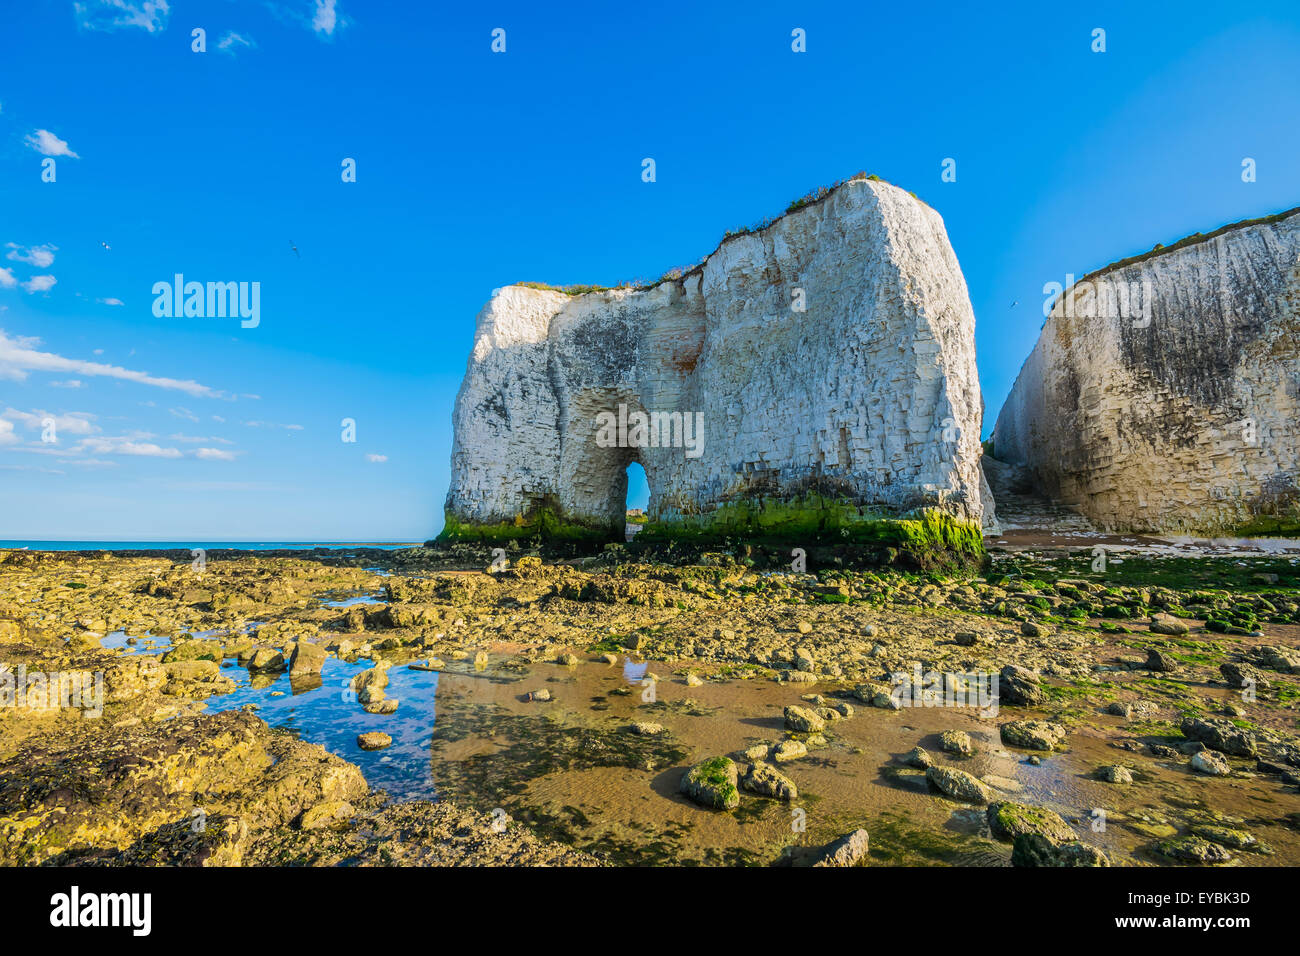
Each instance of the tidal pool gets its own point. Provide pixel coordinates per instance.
(571, 769)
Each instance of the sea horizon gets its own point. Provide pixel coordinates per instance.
(53, 544)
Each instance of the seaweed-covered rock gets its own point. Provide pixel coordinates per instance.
(1193, 849)
(1221, 734)
(712, 783)
(1008, 820)
(1034, 849)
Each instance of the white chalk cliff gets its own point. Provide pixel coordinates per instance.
(1164, 392)
(868, 396)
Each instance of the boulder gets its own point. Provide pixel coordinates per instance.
(307, 658)
(712, 783)
(1032, 734)
(1220, 733)
(804, 721)
(1009, 820)
(766, 780)
(958, 784)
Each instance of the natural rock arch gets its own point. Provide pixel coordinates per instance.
(864, 404)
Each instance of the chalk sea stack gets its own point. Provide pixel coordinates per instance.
(1163, 394)
(815, 376)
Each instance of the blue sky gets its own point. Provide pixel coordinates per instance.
(477, 169)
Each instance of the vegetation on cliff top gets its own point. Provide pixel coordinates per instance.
(677, 273)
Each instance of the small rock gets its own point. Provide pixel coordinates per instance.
(1168, 624)
(374, 740)
(307, 658)
(1009, 820)
(849, 850)
(804, 721)
(1019, 687)
(1035, 850)
(266, 659)
(1032, 734)
(1194, 849)
(1115, 774)
(767, 781)
(789, 750)
(1211, 764)
(1157, 660)
(956, 742)
(1221, 734)
(712, 783)
(957, 784)
(918, 758)
(325, 813)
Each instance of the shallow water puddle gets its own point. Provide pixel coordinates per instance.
(571, 769)
(363, 600)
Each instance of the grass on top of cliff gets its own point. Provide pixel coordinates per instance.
(1193, 239)
(677, 273)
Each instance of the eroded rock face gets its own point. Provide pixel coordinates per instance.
(867, 396)
(1164, 394)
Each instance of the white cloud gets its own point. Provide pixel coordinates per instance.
(88, 462)
(148, 15)
(326, 17)
(121, 446)
(7, 436)
(70, 383)
(42, 257)
(109, 301)
(18, 357)
(215, 454)
(376, 458)
(7, 280)
(184, 413)
(44, 471)
(233, 42)
(292, 428)
(192, 439)
(47, 144)
(39, 284)
(72, 423)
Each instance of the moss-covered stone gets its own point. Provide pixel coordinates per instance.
(713, 783)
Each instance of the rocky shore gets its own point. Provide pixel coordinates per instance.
(1171, 685)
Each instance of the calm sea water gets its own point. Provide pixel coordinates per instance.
(188, 545)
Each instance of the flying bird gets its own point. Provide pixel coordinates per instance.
(295, 249)
(105, 245)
